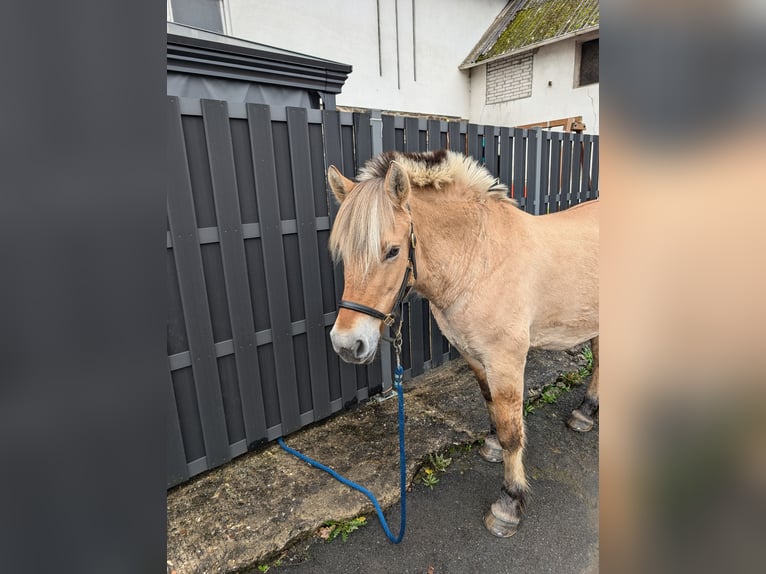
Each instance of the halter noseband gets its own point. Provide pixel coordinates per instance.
(404, 290)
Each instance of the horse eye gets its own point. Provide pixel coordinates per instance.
(393, 252)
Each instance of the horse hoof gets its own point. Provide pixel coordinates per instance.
(498, 526)
(491, 451)
(579, 422)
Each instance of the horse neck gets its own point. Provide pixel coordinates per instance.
(451, 246)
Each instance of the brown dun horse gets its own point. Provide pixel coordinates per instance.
(499, 281)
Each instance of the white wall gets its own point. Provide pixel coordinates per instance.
(347, 31)
(555, 63)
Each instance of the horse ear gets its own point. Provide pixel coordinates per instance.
(341, 186)
(397, 183)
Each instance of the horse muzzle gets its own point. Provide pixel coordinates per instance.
(356, 346)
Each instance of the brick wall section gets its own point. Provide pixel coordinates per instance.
(509, 79)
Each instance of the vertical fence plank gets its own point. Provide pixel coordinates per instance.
(186, 249)
(545, 155)
(490, 150)
(226, 196)
(455, 140)
(474, 149)
(308, 248)
(435, 143)
(533, 171)
(177, 471)
(566, 171)
(362, 138)
(505, 141)
(363, 152)
(334, 156)
(594, 169)
(586, 191)
(519, 185)
(456, 143)
(555, 172)
(264, 165)
(417, 334)
(389, 132)
(576, 168)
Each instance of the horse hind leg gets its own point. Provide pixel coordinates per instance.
(491, 451)
(582, 417)
(504, 515)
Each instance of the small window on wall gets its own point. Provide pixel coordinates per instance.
(588, 56)
(205, 14)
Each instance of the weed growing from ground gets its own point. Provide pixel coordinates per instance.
(334, 528)
(549, 394)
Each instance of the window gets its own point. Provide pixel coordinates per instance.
(205, 14)
(588, 69)
(509, 79)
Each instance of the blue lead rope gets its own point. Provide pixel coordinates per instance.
(398, 374)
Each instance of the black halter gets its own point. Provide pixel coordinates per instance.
(404, 290)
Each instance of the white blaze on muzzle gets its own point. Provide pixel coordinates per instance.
(358, 344)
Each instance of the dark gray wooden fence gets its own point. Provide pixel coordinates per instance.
(252, 289)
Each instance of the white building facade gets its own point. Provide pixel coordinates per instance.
(410, 55)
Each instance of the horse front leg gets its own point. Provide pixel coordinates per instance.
(507, 390)
(491, 451)
(582, 417)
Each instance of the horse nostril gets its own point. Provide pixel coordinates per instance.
(359, 349)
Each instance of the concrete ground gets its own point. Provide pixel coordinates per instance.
(269, 506)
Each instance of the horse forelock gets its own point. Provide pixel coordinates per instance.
(363, 219)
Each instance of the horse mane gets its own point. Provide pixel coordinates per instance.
(438, 169)
(367, 213)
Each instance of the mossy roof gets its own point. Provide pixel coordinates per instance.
(524, 23)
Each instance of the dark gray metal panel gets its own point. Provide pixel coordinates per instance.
(594, 172)
(240, 140)
(363, 139)
(545, 158)
(177, 470)
(186, 248)
(193, 133)
(576, 168)
(505, 141)
(434, 135)
(321, 203)
(555, 171)
(261, 142)
(297, 124)
(334, 156)
(419, 335)
(490, 150)
(389, 132)
(232, 402)
(532, 205)
(363, 152)
(237, 286)
(585, 188)
(474, 148)
(435, 143)
(518, 165)
(455, 140)
(456, 143)
(177, 341)
(566, 171)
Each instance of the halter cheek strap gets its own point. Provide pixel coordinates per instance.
(404, 290)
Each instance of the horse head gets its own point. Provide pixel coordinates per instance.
(372, 236)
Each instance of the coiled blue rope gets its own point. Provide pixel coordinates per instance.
(398, 374)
